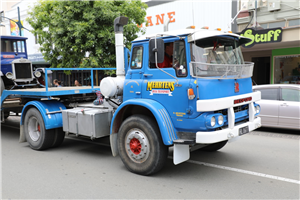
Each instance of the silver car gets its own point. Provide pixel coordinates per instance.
(280, 105)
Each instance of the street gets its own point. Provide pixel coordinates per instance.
(261, 165)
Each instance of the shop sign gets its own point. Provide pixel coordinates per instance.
(159, 19)
(262, 36)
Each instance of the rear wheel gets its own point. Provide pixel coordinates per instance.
(2, 86)
(36, 135)
(215, 146)
(140, 145)
(59, 136)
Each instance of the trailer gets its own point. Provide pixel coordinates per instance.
(201, 99)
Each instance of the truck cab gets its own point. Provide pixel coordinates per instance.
(203, 98)
(16, 69)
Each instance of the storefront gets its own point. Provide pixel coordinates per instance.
(276, 62)
(286, 64)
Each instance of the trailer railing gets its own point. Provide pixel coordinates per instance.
(76, 69)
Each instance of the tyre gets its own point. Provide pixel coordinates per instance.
(36, 135)
(215, 146)
(59, 136)
(140, 145)
(2, 86)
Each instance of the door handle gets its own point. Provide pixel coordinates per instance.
(148, 75)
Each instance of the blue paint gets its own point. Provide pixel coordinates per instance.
(51, 120)
(167, 130)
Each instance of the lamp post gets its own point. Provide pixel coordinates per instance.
(18, 22)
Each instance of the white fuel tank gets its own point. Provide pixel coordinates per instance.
(111, 86)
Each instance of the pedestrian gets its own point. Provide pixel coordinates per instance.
(77, 83)
(57, 83)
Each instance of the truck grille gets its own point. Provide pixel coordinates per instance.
(23, 70)
(236, 109)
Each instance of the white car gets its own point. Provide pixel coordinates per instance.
(280, 105)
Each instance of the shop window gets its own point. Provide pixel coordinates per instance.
(294, 22)
(265, 26)
(277, 24)
(287, 69)
(290, 95)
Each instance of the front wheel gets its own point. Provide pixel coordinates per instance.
(140, 145)
(36, 135)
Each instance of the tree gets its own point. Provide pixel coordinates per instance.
(69, 30)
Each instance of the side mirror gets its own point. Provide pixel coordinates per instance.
(159, 50)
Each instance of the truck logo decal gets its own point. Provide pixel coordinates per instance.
(236, 87)
(160, 87)
(8, 56)
(242, 100)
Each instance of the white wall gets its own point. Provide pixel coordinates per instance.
(212, 13)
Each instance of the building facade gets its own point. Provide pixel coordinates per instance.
(276, 39)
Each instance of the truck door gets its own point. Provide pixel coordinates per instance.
(133, 81)
(168, 84)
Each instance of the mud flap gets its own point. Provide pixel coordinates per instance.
(181, 153)
(114, 144)
(22, 134)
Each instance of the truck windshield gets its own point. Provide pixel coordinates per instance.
(219, 57)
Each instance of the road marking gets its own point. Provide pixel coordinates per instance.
(244, 171)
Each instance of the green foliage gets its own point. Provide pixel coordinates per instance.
(68, 29)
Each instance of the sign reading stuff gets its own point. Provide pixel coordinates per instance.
(262, 36)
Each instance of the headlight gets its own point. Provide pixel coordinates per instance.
(220, 119)
(213, 121)
(257, 109)
(9, 75)
(37, 74)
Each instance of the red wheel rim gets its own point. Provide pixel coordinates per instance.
(135, 146)
(39, 127)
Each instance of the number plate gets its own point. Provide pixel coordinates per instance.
(243, 130)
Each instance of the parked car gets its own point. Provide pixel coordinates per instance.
(280, 105)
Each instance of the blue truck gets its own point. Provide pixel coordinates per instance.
(202, 100)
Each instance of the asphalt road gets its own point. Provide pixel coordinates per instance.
(260, 165)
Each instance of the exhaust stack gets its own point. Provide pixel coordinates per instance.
(118, 26)
(113, 86)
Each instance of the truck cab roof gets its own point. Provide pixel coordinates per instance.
(13, 37)
(193, 34)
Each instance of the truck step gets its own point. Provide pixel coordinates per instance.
(184, 141)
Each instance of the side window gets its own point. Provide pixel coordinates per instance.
(290, 95)
(179, 59)
(269, 94)
(137, 58)
(21, 47)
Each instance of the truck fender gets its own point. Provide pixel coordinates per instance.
(50, 111)
(161, 115)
